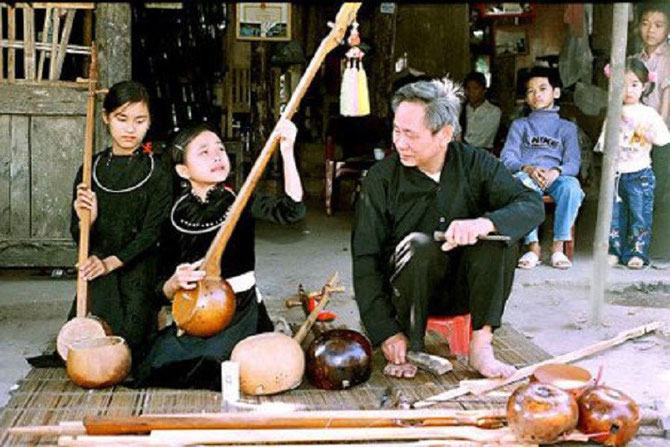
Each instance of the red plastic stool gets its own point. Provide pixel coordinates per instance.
(456, 329)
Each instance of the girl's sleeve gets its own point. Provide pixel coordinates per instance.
(157, 212)
(280, 210)
(660, 136)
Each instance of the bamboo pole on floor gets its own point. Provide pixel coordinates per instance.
(604, 218)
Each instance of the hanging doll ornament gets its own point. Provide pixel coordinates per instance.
(354, 95)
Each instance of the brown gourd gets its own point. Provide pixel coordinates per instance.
(541, 413)
(339, 359)
(608, 411)
(98, 362)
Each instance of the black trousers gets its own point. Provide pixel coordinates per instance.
(475, 279)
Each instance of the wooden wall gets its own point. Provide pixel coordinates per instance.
(41, 141)
(41, 146)
(435, 38)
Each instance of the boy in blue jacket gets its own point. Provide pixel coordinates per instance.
(542, 151)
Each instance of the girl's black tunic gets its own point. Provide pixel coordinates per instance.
(134, 194)
(194, 362)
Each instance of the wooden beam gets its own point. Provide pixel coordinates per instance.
(54, 43)
(29, 43)
(37, 253)
(62, 46)
(2, 52)
(20, 99)
(43, 5)
(45, 34)
(11, 35)
(45, 46)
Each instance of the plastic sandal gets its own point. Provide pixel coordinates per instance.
(528, 261)
(560, 261)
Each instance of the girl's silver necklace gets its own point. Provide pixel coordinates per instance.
(202, 227)
(124, 190)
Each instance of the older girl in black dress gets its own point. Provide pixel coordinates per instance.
(129, 200)
(201, 159)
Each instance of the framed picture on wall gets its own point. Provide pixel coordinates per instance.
(263, 21)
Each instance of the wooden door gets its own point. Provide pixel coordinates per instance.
(41, 144)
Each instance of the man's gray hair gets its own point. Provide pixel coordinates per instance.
(441, 99)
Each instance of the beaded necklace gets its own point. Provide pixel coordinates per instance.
(202, 227)
(124, 190)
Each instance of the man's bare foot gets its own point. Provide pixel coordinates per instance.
(406, 370)
(482, 358)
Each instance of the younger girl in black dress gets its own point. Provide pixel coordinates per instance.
(200, 157)
(129, 200)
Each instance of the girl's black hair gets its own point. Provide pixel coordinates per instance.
(124, 92)
(184, 137)
(639, 69)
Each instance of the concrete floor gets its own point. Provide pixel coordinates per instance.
(549, 306)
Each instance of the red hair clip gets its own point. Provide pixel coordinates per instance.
(147, 147)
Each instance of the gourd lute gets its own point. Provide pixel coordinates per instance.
(209, 307)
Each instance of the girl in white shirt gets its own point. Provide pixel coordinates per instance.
(641, 127)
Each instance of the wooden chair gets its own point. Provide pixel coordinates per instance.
(569, 246)
(356, 137)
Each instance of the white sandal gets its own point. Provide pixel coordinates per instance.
(528, 261)
(560, 261)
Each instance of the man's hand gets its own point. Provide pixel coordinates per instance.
(395, 347)
(465, 232)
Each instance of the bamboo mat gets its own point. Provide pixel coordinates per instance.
(46, 396)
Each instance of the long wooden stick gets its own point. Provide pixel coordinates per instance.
(85, 221)
(332, 434)
(501, 435)
(123, 425)
(487, 385)
(344, 18)
(143, 441)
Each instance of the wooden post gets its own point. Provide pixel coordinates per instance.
(2, 51)
(54, 42)
(381, 67)
(604, 218)
(113, 36)
(28, 42)
(45, 34)
(11, 52)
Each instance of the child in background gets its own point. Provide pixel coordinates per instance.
(129, 201)
(542, 150)
(200, 159)
(481, 117)
(632, 212)
(653, 28)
